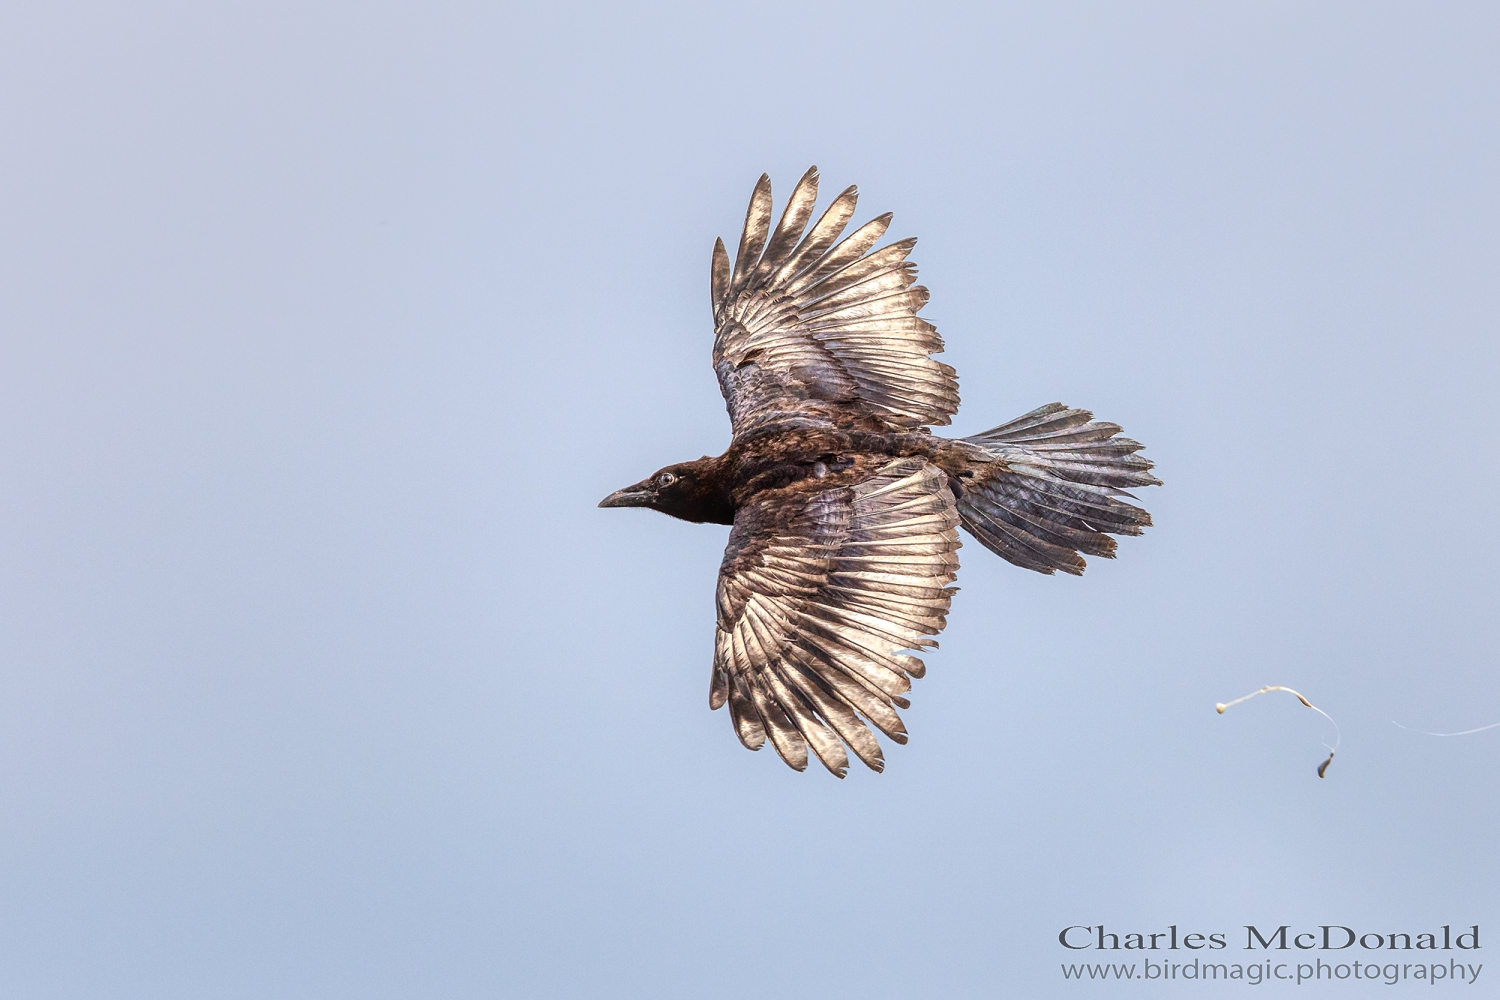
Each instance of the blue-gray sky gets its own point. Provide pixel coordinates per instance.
(324, 327)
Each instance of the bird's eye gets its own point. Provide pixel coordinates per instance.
(665, 479)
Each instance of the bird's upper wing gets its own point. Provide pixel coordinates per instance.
(821, 589)
(804, 326)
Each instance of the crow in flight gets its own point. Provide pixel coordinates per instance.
(845, 506)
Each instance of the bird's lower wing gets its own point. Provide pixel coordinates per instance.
(822, 589)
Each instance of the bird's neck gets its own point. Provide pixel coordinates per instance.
(708, 501)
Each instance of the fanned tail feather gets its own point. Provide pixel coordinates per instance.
(1045, 487)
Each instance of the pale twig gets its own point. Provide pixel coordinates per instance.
(1338, 733)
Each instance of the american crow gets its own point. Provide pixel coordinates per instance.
(845, 505)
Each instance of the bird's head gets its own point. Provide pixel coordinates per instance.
(688, 490)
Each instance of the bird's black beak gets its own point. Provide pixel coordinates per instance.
(631, 496)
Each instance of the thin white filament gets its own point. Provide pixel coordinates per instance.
(1424, 732)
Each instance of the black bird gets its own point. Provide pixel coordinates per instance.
(845, 506)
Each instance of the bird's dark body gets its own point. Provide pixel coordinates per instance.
(807, 457)
(845, 506)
